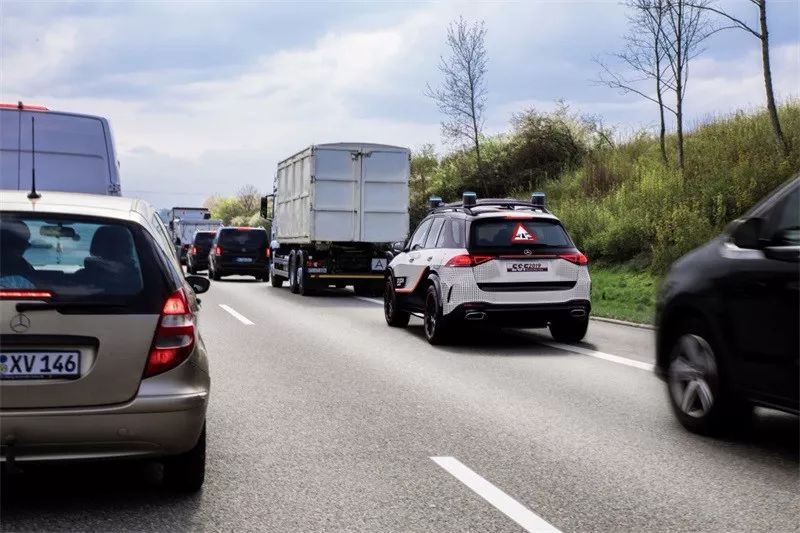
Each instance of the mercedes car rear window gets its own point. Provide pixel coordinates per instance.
(204, 239)
(523, 233)
(77, 257)
(246, 238)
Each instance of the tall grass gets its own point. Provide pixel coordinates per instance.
(623, 205)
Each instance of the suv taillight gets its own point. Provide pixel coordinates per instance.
(194, 250)
(468, 260)
(217, 251)
(174, 339)
(575, 258)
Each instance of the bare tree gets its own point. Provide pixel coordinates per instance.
(762, 34)
(462, 95)
(645, 56)
(249, 198)
(685, 28)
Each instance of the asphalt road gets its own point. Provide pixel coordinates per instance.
(322, 418)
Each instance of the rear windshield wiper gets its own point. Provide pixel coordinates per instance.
(66, 306)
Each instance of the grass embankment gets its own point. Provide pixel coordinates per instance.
(623, 293)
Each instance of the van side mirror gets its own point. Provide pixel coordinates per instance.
(745, 233)
(398, 247)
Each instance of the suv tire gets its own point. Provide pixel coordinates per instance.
(394, 316)
(436, 326)
(569, 329)
(187, 471)
(215, 274)
(700, 398)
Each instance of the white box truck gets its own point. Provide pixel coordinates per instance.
(337, 209)
(184, 222)
(73, 152)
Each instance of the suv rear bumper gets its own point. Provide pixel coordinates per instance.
(520, 315)
(243, 268)
(152, 425)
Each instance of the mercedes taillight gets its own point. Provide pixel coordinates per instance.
(174, 339)
(468, 260)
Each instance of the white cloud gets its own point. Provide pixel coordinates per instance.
(359, 81)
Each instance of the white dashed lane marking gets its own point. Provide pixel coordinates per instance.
(501, 501)
(238, 316)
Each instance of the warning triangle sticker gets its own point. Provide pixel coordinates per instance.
(521, 234)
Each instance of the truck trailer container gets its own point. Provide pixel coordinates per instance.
(337, 209)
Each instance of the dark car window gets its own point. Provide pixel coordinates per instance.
(80, 258)
(204, 239)
(433, 234)
(522, 233)
(452, 235)
(419, 236)
(787, 228)
(242, 238)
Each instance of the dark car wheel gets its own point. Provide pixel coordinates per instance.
(191, 269)
(569, 329)
(394, 316)
(187, 471)
(215, 274)
(275, 281)
(701, 400)
(436, 325)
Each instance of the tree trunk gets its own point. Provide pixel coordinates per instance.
(771, 107)
(679, 61)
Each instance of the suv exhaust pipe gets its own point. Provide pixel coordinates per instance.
(475, 315)
(577, 313)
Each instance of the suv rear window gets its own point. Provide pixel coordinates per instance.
(79, 258)
(204, 238)
(519, 233)
(245, 238)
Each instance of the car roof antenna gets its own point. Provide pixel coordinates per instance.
(33, 195)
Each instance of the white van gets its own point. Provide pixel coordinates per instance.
(74, 153)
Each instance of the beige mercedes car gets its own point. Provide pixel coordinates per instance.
(100, 352)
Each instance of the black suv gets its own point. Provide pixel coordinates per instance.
(728, 315)
(197, 255)
(239, 251)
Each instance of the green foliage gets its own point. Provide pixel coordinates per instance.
(623, 292)
(228, 210)
(624, 205)
(620, 203)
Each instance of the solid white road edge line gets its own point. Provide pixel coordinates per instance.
(504, 503)
(601, 355)
(241, 318)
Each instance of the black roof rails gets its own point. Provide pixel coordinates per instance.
(502, 203)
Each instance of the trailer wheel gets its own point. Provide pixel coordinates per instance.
(294, 258)
(275, 281)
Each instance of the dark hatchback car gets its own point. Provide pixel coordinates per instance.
(197, 254)
(241, 251)
(728, 319)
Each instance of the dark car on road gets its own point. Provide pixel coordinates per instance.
(728, 316)
(197, 254)
(242, 251)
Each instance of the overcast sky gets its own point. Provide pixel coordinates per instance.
(206, 97)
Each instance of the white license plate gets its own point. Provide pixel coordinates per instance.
(526, 267)
(244, 259)
(40, 365)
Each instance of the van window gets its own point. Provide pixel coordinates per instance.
(244, 238)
